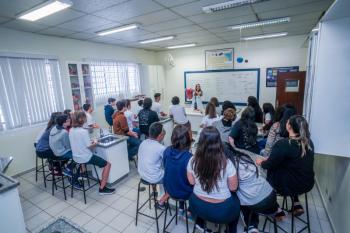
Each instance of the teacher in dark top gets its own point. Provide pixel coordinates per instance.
(290, 164)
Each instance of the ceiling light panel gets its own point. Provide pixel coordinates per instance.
(265, 36)
(117, 29)
(228, 5)
(157, 39)
(260, 23)
(181, 46)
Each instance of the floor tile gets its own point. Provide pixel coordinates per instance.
(121, 222)
(94, 225)
(57, 208)
(38, 220)
(107, 215)
(121, 204)
(69, 212)
(95, 208)
(31, 211)
(81, 219)
(108, 229)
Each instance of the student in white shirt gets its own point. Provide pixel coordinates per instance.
(156, 106)
(150, 158)
(90, 121)
(131, 117)
(210, 116)
(82, 150)
(177, 112)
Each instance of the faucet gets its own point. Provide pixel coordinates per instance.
(101, 133)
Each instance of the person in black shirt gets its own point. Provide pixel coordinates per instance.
(147, 116)
(244, 132)
(253, 102)
(290, 165)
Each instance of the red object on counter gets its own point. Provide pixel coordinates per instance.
(189, 93)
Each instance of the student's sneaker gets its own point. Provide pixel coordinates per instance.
(252, 229)
(160, 206)
(280, 216)
(67, 172)
(106, 191)
(298, 210)
(181, 213)
(78, 186)
(200, 227)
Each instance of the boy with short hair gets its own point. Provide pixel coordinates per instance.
(109, 110)
(90, 122)
(156, 106)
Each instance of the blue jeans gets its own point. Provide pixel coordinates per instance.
(133, 146)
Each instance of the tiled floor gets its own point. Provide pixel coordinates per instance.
(116, 213)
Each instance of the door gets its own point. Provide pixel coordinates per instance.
(290, 89)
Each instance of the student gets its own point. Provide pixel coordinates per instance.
(42, 145)
(216, 103)
(197, 98)
(210, 116)
(244, 132)
(254, 192)
(69, 113)
(225, 124)
(147, 116)
(109, 110)
(131, 118)
(90, 122)
(156, 106)
(278, 128)
(59, 139)
(177, 112)
(253, 102)
(213, 177)
(269, 114)
(82, 150)
(139, 107)
(150, 158)
(227, 104)
(120, 127)
(175, 160)
(290, 165)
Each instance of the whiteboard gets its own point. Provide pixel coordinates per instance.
(232, 85)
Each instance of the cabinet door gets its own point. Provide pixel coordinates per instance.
(75, 86)
(87, 84)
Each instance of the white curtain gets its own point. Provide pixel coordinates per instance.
(30, 91)
(114, 79)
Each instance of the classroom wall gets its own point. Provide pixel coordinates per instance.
(67, 50)
(288, 51)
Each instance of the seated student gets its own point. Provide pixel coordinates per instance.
(139, 107)
(150, 158)
(59, 141)
(225, 124)
(213, 177)
(90, 122)
(156, 106)
(120, 127)
(147, 116)
(227, 104)
(69, 113)
(269, 114)
(253, 102)
(278, 128)
(290, 164)
(210, 116)
(244, 132)
(109, 110)
(254, 192)
(42, 144)
(216, 103)
(131, 118)
(177, 112)
(82, 150)
(175, 159)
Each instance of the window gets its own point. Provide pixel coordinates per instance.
(30, 91)
(114, 79)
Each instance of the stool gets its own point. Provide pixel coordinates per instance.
(134, 159)
(307, 222)
(80, 174)
(149, 201)
(205, 226)
(60, 177)
(40, 168)
(176, 214)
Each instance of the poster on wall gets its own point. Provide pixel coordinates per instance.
(219, 59)
(271, 74)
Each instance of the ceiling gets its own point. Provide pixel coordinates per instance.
(182, 18)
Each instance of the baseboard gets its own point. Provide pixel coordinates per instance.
(22, 173)
(324, 205)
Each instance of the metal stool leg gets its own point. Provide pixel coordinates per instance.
(307, 214)
(137, 203)
(64, 187)
(36, 168)
(155, 208)
(166, 213)
(186, 217)
(292, 230)
(149, 196)
(43, 170)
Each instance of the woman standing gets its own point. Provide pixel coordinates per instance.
(213, 177)
(197, 98)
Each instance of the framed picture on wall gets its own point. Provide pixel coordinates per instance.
(219, 59)
(271, 74)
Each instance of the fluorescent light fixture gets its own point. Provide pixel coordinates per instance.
(260, 23)
(157, 39)
(181, 46)
(315, 30)
(266, 36)
(45, 9)
(228, 5)
(117, 29)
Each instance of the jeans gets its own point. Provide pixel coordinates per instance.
(226, 212)
(133, 146)
(268, 205)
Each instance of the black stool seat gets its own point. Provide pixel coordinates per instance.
(57, 178)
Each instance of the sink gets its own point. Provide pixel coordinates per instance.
(108, 139)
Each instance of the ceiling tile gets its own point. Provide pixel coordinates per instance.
(90, 6)
(278, 4)
(24, 26)
(179, 30)
(60, 17)
(172, 3)
(11, 8)
(56, 31)
(105, 40)
(203, 34)
(168, 25)
(131, 35)
(152, 18)
(82, 36)
(228, 22)
(4, 19)
(129, 9)
(195, 8)
(85, 22)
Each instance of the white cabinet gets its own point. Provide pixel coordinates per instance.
(153, 80)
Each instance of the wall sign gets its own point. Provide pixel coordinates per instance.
(271, 74)
(219, 59)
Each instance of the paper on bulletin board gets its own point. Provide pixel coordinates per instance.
(219, 59)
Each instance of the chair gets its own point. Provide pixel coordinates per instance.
(166, 225)
(40, 168)
(306, 222)
(151, 197)
(59, 177)
(80, 175)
